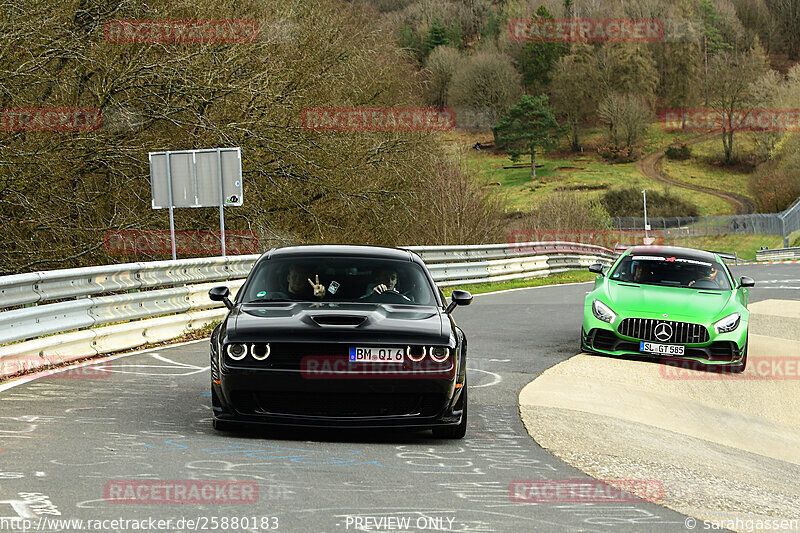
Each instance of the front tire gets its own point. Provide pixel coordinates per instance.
(459, 431)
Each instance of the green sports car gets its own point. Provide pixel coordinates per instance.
(668, 303)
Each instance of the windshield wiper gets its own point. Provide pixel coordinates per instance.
(258, 300)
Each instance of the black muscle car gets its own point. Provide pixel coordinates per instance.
(340, 336)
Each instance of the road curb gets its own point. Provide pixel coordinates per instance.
(731, 438)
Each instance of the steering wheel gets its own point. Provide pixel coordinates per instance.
(389, 296)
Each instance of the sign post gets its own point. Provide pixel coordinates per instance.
(196, 178)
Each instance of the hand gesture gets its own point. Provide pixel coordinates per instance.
(319, 289)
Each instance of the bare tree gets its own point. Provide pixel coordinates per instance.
(730, 87)
(485, 81)
(626, 116)
(440, 67)
(60, 192)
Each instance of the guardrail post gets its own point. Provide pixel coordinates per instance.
(783, 233)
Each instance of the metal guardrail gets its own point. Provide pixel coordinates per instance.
(778, 254)
(783, 224)
(72, 313)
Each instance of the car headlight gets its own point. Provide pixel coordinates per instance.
(259, 351)
(729, 323)
(237, 352)
(603, 312)
(418, 356)
(439, 353)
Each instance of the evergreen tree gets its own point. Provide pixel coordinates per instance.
(437, 36)
(538, 58)
(528, 124)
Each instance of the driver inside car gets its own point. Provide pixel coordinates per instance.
(386, 280)
(704, 274)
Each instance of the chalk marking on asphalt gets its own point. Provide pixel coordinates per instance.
(497, 378)
(27, 379)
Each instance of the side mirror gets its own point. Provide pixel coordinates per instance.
(745, 281)
(220, 294)
(597, 268)
(458, 298)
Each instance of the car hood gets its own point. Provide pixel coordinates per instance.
(335, 322)
(651, 301)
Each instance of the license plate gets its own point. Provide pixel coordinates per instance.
(366, 354)
(661, 349)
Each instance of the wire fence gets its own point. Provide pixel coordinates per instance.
(783, 224)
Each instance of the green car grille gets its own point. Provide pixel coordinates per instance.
(655, 330)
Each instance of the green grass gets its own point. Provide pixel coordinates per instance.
(699, 170)
(583, 175)
(586, 174)
(658, 138)
(574, 276)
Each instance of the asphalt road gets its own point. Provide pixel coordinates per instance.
(67, 440)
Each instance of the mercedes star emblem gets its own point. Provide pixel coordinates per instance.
(663, 331)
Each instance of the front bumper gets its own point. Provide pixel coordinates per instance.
(713, 353)
(287, 397)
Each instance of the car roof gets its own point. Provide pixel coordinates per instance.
(677, 251)
(377, 252)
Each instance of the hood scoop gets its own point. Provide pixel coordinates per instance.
(338, 320)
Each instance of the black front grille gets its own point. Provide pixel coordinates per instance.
(648, 329)
(337, 404)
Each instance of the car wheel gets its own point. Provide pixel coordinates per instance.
(455, 432)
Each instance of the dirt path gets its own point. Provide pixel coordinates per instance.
(650, 166)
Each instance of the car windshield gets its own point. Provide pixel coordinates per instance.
(671, 271)
(339, 279)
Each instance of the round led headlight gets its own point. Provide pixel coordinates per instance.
(259, 351)
(237, 352)
(416, 358)
(439, 353)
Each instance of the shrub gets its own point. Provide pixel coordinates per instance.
(619, 154)
(628, 202)
(681, 152)
(566, 210)
(774, 190)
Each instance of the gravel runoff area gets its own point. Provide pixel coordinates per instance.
(723, 447)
